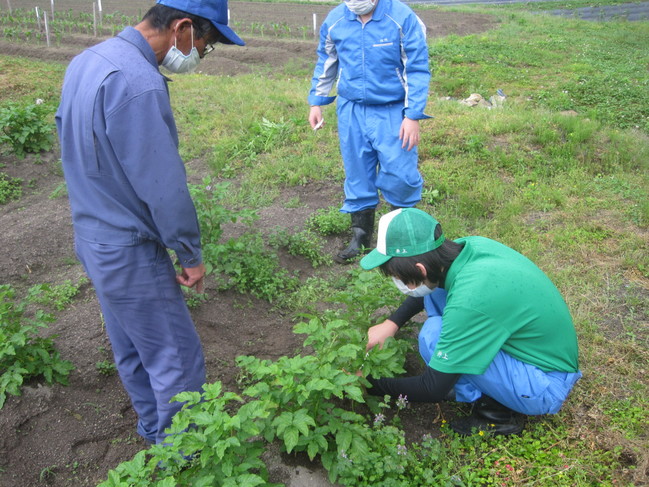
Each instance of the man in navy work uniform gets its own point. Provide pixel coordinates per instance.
(498, 333)
(374, 53)
(130, 202)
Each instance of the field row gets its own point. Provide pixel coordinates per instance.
(36, 24)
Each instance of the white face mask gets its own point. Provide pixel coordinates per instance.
(418, 292)
(361, 7)
(176, 62)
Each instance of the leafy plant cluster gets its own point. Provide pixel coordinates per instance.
(300, 401)
(10, 188)
(106, 367)
(26, 128)
(24, 354)
(245, 260)
(260, 137)
(56, 296)
(328, 221)
(313, 404)
(305, 243)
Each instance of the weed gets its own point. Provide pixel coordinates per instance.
(23, 354)
(328, 221)
(56, 296)
(250, 267)
(10, 188)
(60, 191)
(304, 243)
(294, 202)
(47, 474)
(629, 415)
(106, 367)
(430, 196)
(193, 298)
(246, 262)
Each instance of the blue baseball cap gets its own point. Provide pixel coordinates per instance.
(216, 11)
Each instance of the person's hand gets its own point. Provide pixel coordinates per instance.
(409, 133)
(192, 277)
(377, 334)
(315, 117)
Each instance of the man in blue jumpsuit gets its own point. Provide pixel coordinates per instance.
(130, 201)
(375, 53)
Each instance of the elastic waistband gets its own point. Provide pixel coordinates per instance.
(110, 236)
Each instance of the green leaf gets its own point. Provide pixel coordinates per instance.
(250, 480)
(343, 439)
(291, 436)
(319, 385)
(355, 393)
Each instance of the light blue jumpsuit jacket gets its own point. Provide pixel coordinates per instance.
(380, 73)
(130, 202)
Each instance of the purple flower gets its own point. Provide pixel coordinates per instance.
(402, 401)
(379, 419)
(401, 450)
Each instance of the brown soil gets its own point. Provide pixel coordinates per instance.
(71, 436)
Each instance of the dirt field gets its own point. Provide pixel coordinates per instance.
(71, 436)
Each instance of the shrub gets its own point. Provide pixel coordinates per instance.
(26, 128)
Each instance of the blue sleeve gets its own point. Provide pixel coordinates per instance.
(326, 70)
(417, 71)
(142, 134)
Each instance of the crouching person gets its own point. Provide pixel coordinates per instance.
(498, 333)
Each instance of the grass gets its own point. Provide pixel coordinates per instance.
(559, 173)
(23, 80)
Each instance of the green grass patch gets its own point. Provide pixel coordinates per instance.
(554, 63)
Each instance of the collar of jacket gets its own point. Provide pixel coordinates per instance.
(133, 36)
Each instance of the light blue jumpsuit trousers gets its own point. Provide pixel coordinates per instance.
(515, 384)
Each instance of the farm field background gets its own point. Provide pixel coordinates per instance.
(558, 172)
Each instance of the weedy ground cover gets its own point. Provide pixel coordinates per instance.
(25, 354)
(560, 173)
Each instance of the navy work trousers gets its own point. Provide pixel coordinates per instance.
(156, 348)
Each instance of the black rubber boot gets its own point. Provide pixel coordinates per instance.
(489, 416)
(362, 230)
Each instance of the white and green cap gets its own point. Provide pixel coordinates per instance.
(403, 233)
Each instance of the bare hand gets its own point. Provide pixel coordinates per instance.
(377, 334)
(192, 277)
(409, 133)
(315, 118)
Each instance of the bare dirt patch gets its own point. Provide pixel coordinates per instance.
(71, 436)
